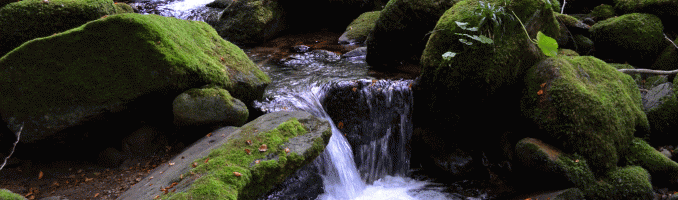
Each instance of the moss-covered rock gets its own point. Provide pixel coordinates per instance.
(661, 8)
(668, 59)
(634, 38)
(357, 31)
(240, 170)
(67, 79)
(250, 21)
(29, 19)
(9, 195)
(212, 106)
(585, 107)
(401, 32)
(662, 168)
(603, 12)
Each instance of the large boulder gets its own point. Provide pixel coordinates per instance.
(212, 107)
(663, 8)
(662, 118)
(129, 64)
(634, 38)
(584, 106)
(401, 32)
(668, 59)
(250, 21)
(357, 31)
(29, 19)
(229, 163)
(482, 78)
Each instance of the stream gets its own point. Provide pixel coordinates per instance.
(368, 154)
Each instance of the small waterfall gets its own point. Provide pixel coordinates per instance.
(181, 9)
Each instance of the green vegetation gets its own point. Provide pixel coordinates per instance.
(9, 195)
(230, 172)
(362, 26)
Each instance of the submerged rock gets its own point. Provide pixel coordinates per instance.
(122, 65)
(220, 167)
(29, 19)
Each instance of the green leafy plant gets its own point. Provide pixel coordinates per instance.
(548, 45)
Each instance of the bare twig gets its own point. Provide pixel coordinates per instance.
(647, 71)
(667, 38)
(18, 135)
(563, 8)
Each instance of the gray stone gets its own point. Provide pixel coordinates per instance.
(208, 107)
(656, 96)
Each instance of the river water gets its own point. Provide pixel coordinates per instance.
(368, 154)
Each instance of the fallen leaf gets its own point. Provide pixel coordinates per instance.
(173, 184)
(287, 150)
(170, 164)
(88, 179)
(248, 142)
(340, 125)
(221, 58)
(576, 161)
(40, 175)
(55, 183)
(207, 159)
(354, 89)
(156, 197)
(209, 135)
(174, 190)
(195, 164)
(540, 92)
(238, 174)
(151, 177)
(256, 162)
(247, 151)
(263, 148)
(181, 177)
(543, 84)
(96, 195)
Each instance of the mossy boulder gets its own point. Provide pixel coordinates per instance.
(29, 19)
(668, 59)
(629, 182)
(662, 8)
(357, 31)
(9, 195)
(401, 32)
(211, 106)
(584, 106)
(250, 21)
(634, 38)
(662, 119)
(120, 63)
(292, 139)
(603, 12)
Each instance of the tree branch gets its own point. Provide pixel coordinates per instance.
(563, 8)
(647, 71)
(18, 135)
(667, 38)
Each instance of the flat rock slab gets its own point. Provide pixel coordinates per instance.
(168, 173)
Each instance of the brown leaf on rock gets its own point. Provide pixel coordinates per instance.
(96, 195)
(40, 175)
(263, 148)
(354, 89)
(340, 125)
(287, 150)
(238, 174)
(209, 135)
(207, 159)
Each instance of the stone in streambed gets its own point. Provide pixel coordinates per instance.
(357, 31)
(210, 106)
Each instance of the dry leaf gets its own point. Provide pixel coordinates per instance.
(263, 148)
(340, 125)
(156, 197)
(96, 195)
(354, 89)
(248, 142)
(287, 150)
(247, 151)
(195, 164)
(170, 164)
(543, 84)
(256, 162)
(540, 92)
(55, 183)
(576, 160)
(40, 175)
(181, 177)
(207, 159)
(88, 179)
(209, 135)
(238, 174)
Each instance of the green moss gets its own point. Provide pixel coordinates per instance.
(250, 22)
(585, 104)
(212, 91)
(217, 179)
(663, 8)
(663, 119)
(123, 8)
(102, 63)
(638, 35)
(567, 52)
(362, 26)
(603, 12)
(642, 154)
(29, 19)
(9, 195)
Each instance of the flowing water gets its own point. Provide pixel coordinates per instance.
(375, 118)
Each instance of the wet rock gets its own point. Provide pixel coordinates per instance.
(656, 96)
(219, 3)
(26, 20)
(358, 53)
(399, 18)
(222, 153)
(662, 118)
(634, 38)
(301, 48)
(210, 107)
(662, 168)
(357, 31)
(99, 75)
